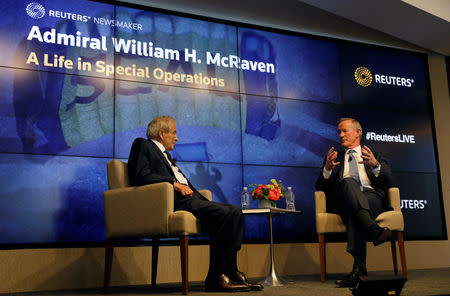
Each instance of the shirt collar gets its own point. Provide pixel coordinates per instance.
(357, 149)
(160, 145)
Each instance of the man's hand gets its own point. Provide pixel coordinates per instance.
(331, 157)
(368, 156)
(183, 189)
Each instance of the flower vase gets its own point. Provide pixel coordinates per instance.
(265, 204)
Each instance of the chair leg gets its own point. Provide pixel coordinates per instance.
(323, 267)
(401, 247)
(155, 252)
(184, 244)
(109, 252)
(394, 252)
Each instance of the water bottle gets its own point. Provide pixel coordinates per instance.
(245, 199)
(290, 199)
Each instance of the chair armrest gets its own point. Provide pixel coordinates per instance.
(206, 193)
(138, 211)
(394, 198)
(321, 202)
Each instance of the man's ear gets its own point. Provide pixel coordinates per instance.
(160, 134)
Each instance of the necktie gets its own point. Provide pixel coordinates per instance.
(170, 157)
(176, 170)
(354, 173)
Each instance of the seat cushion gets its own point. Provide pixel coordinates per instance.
(183, 223)
(330, 223)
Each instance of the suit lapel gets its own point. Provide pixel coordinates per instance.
(166, 162)
(368, 169)
(340, 158)
(162, 157)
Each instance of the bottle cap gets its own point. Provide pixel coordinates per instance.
(245, 188)
(289, 188)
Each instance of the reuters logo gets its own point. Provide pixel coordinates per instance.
(363, 76)
(35, 10)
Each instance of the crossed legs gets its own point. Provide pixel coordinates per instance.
(358, 212)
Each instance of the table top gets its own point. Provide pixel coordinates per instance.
(270, 211)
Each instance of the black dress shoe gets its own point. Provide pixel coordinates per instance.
(385, 234)
(240, 278)
(350, 280)
(223, 284)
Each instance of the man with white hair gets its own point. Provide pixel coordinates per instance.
(355, 182)
(150, 162)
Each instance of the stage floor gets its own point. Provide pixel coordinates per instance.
(424, 282)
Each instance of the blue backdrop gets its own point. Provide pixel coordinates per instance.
(61, 124)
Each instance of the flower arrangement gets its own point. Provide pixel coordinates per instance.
(271, 192)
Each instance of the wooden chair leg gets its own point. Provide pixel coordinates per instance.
(155, 252)
(184, 244)
(394, 252)
(401, 247)
(323, 267)
(109, 252)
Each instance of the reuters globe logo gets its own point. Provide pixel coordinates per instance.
(363, 76)
(35, 10)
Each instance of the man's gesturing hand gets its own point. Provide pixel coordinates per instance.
(368, 156)
(331, 157)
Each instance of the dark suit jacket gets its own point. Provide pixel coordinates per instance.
(331, 185)
(148, 165)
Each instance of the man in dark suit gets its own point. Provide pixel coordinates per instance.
(150, 162)
(355, 182)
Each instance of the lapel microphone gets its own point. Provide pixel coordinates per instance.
(350, 155)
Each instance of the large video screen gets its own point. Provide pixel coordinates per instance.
(80, 80)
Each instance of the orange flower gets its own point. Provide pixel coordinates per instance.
(275, 194)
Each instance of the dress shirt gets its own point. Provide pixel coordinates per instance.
(178, 175)
(365, 182)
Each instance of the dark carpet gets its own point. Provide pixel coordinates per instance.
(425, 282)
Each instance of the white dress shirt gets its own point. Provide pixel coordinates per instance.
(365, 182)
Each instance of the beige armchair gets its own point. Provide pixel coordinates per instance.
(144, 212)
(332, 223)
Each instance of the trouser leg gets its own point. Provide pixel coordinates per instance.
(356, 240)
(353, 199)
(225, 226)
(359, 210)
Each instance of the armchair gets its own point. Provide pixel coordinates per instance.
(332, 223)
(145, 212)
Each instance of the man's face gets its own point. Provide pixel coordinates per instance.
(169, 138)
(348, 134)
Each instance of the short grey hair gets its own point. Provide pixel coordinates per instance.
(157, 124)
(355, 124)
